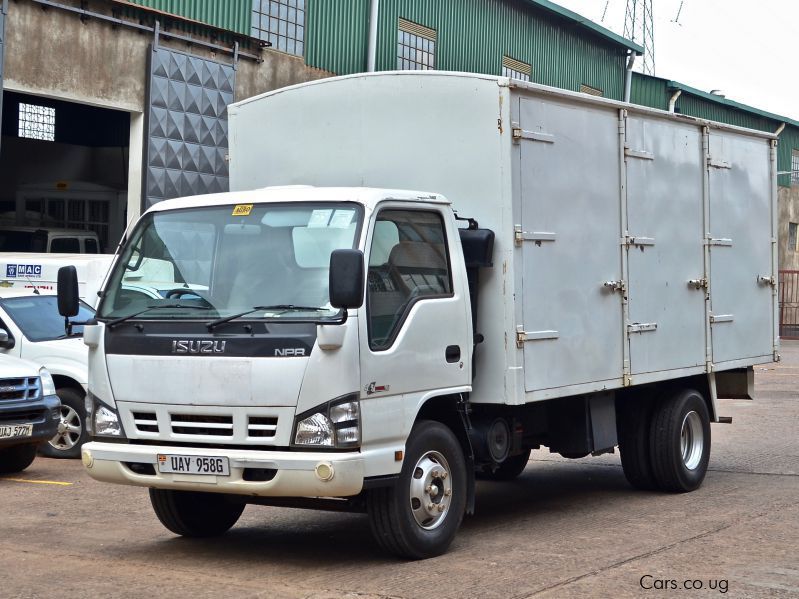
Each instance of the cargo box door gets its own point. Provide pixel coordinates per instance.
(741, 264)
(570, 322)
(665, 254)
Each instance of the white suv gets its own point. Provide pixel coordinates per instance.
(31, 328)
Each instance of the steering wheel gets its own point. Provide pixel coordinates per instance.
(180, 293)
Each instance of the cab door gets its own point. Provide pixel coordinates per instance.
(416, 330)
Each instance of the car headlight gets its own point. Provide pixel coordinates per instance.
(48, 386)
(102, 420)
(334, 424)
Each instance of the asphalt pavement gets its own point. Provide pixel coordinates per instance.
(565, 528)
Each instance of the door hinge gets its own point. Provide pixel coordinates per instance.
(717, 163)
(642, 154)
(613, 286)
(714, 318)
(522, 336)
(642, 327)
(519, 134)
(535, 236)
(723, 242)
(637, 240)
(698, 283)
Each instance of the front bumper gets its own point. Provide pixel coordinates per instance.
(295, 474)
(43, 414)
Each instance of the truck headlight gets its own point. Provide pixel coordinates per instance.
(334, 424)
(102, 420)
(48, 386)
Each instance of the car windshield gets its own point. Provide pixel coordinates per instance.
(38, 318)
(230, 260)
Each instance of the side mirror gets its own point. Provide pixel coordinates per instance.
(346, 279)
(6, 340)
(68, 300)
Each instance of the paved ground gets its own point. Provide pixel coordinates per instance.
(563, 529)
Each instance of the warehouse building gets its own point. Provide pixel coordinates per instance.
(111, 105)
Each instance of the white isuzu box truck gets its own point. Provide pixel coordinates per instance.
(576, 273)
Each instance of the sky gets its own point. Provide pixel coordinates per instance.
(748, 50)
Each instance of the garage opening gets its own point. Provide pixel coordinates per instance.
(63, 165)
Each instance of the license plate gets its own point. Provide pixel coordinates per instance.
(193, 464)
(9, 431)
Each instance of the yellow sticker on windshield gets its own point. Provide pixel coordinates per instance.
(242, 209)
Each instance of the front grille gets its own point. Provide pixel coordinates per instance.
(146, 422)
(19, 389)
(197, 424)
(261, 426)
(21, 416)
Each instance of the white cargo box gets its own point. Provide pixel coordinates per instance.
(632, 245)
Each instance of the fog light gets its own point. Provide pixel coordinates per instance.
(87, 458)
(324, 471)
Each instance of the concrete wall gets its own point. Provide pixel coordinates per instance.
(788, 206)
(51, 52)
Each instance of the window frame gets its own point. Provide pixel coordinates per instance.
(428, 34)
(794, 167)
(266, 34)
(510, 67)
(400, 322)
(793, 236)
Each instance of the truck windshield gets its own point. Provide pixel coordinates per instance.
(38, 318)
(230, 260)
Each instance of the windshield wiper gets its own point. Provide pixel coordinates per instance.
(284, 307)
(112, 323)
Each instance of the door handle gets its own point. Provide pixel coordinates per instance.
(452, 353)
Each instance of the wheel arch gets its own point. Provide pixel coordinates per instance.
(63, 381)
(451, 411)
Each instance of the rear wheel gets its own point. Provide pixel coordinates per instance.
(193, 514)
(680, 442)
(16, 458)
(71, 433)
(419, 516)
(509, 469)
(634, 428)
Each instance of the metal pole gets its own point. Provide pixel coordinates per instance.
(374, 12)
(628, 76)
(3, 13)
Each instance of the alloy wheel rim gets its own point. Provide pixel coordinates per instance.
(431, 490)
(69, 430)
(692, 440)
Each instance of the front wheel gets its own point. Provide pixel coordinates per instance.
(680, 442)
(419, 516)
(16, 458)
(72, 432)
(193, 514)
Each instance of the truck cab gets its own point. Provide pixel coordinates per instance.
(246, 372)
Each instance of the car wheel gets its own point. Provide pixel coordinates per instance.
(16, 458)
(72, 432)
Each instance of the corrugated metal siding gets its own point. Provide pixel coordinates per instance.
(233, 15)
(649, 91)
(472, 35)
(337, 35)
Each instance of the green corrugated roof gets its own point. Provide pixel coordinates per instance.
(588, 24)
(676, 85)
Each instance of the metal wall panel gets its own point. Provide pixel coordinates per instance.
(187, 134)
(741, 222)
(472, 36)
(665, 207)
(570, 200)
(232, 15)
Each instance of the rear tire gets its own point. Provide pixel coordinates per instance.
(634, 428)
(419, 516)
(511, 468)
(193, 514)
(16, 458)
(680, 442)
(72, 432)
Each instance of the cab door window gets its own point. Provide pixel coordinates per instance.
(408, 262)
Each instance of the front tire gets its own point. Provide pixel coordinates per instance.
(193, 514)
(419, 516)
(17, 458)
(72, 432)
(680, 442)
